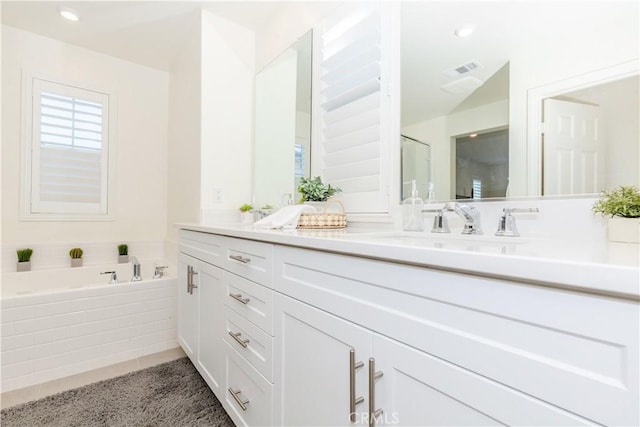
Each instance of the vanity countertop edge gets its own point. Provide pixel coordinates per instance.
(608, 279)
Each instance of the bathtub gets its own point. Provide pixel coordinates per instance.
(60, 322)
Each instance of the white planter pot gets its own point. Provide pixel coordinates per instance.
(24, 266)
(625, 230)
(246, 217)
(76, 262)
(123, 259)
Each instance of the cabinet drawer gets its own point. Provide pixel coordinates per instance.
(250, 300)
(250, 341)
(249, 397)
(569, 349)
(250, 259)
(206, 247)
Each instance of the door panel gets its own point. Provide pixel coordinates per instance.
(312, 362)
(574, 148)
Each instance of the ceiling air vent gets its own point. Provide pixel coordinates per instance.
(462, 70)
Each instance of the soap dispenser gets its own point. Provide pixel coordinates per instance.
(412, 219)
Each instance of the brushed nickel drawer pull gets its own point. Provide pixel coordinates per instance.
(240, 258)
(236, 336)
(238, 297)
(190, 273)
(242, 403)
(353, 400)
(373, 376)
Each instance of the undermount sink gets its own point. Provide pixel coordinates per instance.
(483, 243)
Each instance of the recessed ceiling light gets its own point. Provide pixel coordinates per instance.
(473, 135)
(464, 31)
(68, 14)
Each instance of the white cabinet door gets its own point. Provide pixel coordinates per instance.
(211, 320)
(419, 389)
(312, 366)
(187, 307)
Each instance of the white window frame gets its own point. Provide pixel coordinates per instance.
(31, 208)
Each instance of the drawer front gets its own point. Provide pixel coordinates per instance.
(250, 300)
(251, 342)
(206, 247)
(573, 350)
(249, 397)
(250, 259)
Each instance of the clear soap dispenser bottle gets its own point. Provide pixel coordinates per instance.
(412, 219)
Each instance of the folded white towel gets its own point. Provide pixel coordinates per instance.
(286, 217)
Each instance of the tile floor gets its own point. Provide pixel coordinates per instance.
(38, 391)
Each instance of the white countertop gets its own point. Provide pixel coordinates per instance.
(607, 268)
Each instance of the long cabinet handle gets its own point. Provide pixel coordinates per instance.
(189, 278)
(373, 376)
(353, 400)
(193, 273)
(190, 273)
(236, 336)
(235, 394)
(240, 258)
(239, 298)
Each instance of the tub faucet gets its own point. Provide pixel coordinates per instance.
(159, 271)
(136, 270)
(469, 214)
(114, 277)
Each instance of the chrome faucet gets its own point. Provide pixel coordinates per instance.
(469, 214)
(507, 222)
(158, 273)
(136, 270)
(114, 277)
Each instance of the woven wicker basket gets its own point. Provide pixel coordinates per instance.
(324, 220)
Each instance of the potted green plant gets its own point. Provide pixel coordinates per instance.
(246, 216)
(76, 257)
(313, 190)
(123, 253)
(622, 206)
(24, 259)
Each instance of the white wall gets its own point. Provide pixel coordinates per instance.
(183, 201)
(141, 140)
(227, 76)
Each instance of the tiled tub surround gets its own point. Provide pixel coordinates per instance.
(55, 334)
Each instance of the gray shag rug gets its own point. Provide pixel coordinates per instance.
(170, 394)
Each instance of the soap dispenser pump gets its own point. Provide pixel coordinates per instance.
(412, 219)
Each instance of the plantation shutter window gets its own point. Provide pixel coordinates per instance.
(353, 106)
(69, 170)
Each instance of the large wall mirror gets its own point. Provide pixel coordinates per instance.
(467, 71)
(282, 151)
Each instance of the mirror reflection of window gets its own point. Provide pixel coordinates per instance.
(482, 165)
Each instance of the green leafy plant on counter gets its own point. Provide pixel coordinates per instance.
(246, 207)
(24, 255)
(123, 249)
(623, 201)
(75, 253)
(313, 190)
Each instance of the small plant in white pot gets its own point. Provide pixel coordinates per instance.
(622, 206)
(76, 257)
(24, 259)
(123, 254)
(313, 190)
(246, 216)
